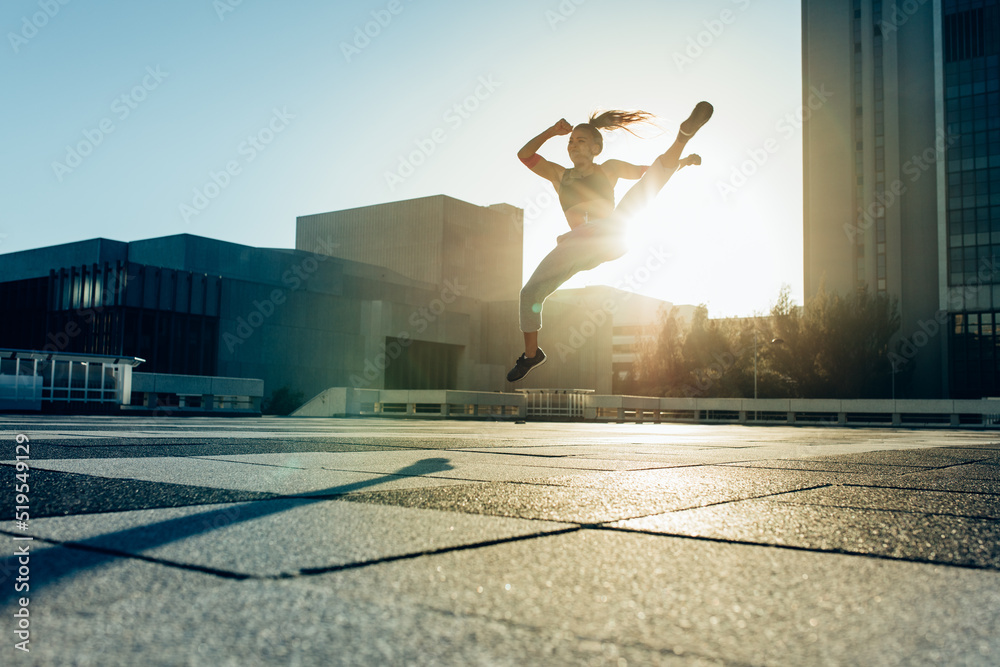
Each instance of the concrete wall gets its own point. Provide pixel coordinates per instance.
(831, 203)
(828, 145)
(438, 240)
(917, 283)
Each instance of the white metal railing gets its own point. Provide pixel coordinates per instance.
(585, 405)
(30, 378)
(555, 403)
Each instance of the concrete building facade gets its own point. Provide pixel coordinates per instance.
(901, 179)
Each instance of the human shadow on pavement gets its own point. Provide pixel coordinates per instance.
(43, 571)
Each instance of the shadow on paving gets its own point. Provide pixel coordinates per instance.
(136, 540)
(122, 447)
(56, 493)
(938, 505)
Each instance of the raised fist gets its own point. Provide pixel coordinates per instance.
(562, 127)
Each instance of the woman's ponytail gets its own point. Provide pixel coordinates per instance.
(614, 120)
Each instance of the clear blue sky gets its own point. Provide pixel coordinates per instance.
(229, 118)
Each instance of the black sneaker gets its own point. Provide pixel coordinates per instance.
(522, 366)
(699, 116)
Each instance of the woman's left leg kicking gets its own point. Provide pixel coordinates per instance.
(645, 190)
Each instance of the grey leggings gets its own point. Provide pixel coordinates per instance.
(586, 247)
(590, 245)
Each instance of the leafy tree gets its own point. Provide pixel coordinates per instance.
(840, 346)
(660, 365)
(834, 347)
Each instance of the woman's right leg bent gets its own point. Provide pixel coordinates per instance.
(581, 250)
(556, 268)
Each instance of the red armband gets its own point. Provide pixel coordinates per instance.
(530, 162)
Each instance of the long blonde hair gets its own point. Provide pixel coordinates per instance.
(614, 120)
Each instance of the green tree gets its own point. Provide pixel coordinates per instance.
(660, 365)
(713, 357)
(833, 347)
(837, 346)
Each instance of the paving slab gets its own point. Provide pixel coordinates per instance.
(825, 464)
(280, 537)
(604, 497)
(60, 493)
(296, 623)
(953, 540)
(484, 466)
(281, 480)
(976, 506)
(428, 542)
(931, 457)
(939, 481)
(738, 604)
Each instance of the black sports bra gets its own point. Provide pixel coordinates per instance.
(574, 190)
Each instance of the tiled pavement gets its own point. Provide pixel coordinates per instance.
(385, 542)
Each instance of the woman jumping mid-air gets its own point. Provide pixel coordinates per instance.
(586, 192)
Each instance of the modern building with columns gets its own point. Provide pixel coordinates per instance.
(419, 294)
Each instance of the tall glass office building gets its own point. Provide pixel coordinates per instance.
(971, 85)
(901, 176)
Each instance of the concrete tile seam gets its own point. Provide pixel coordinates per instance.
(313, 571)
(847, 459)
(988, 519)
(80, 546)
(304, 572)
(910, 488)
(825, 470)
(730, 501)
(245, 463)
(559, 472)
(946, 467)
(792, 547)
(540, 456)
